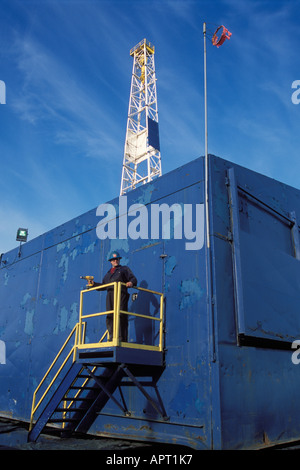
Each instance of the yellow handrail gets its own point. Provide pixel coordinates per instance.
(160, 319)
(80, 329)
(116, 318)
(35, 407)
(82, 386)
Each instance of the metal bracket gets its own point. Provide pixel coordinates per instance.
(295, 234)
(159, 407)
(102, 386)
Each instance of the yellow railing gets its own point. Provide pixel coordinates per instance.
(79, 331)
(35, 406)
(149, 46)
(116, 319)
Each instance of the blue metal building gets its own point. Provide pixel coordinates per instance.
(224, 378)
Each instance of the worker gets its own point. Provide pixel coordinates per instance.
(117, 273)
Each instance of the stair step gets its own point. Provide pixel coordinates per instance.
(70, 410)
(94, 398)
(63, 420)
(78, 399)
(84, 376)
(87, 376)
(81, 388)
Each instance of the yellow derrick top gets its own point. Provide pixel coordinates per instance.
(149, 47)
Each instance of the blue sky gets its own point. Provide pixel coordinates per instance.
(67, 71)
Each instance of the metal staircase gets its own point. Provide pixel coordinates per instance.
(88, 376)
(78, 399)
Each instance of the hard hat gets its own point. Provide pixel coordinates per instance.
(114, 255)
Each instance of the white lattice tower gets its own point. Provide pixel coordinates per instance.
(142, 162)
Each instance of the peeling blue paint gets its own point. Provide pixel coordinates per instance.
(29, 322)
(119, 245)
(90, 248)
(60, 246)
(74, 315)
(74, 253)
(146, 197)
(62, 320)
(191, 293)
(66, 318)
(64, 262)
(6, 277)
(26, 297)
(170, 265)
(12, 404)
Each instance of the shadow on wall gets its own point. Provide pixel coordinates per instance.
(145, 303)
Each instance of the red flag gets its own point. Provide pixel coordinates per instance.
(224, 35)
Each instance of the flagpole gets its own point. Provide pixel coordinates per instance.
(206, 145)
(208, 253)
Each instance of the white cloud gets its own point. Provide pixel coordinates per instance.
(51, 94)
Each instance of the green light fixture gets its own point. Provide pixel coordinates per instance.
(22, 235)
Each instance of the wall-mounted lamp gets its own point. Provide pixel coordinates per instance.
(22, 234)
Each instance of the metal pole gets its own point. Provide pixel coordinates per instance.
(206, 145)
